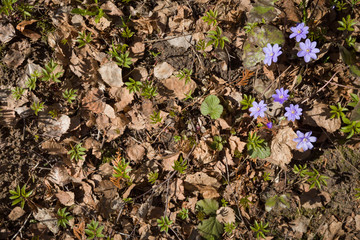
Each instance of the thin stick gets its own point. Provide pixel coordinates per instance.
(21, 227)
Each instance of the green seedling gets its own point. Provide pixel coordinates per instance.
(31, 82)
(155, 118)
(246, 102)
(53, 113)
(154, 54)
(77, 152)
(133, 86)
(245, 202)
(188, 96)
(152, 177)
(25, 10)
(37, 107)
(20, 195)
(48, 72)
(357, 195)
(164, 223)
(347, 24)
(224, 203)
(210, 17)
(216, 38)
(340, 5)
(201, 46)
(302, 171)
(127, 33)
(122, 169)
(338, 111)
(128, 200)
(83, 39)
(177, 138)
(229, 228)
(277, 201)
(353, 127)
(350, 41)
(180, 165)
(94, 230)
(260, 229)
(355, 99)
(17, 92)
(217, 144)
(121, 55)
(63, 217)
(211, 106)
(316, 180)
(250, 26)
(7, 7)
(95, 10)
(70, 95)
(183, 214)
(148, 90)
(266, 176)
(185, 74)
(256, 147)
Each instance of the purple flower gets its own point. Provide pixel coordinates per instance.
(281, 95)
(293, 112)
(299, 31)
(258, 109)
(271, 53)
(308, 50)
(269, 125)
(304, 140)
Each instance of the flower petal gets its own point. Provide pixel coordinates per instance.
(300, 134)
(307, 58)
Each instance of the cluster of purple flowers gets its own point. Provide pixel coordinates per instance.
(292, 113)
(308, 48)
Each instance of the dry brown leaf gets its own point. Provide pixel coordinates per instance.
(244, 80)
(93, 101)
(27, 32)
(281, 147)
(320, 116)
(16, 213)
(225, 215)
(202, 153)
(291, 12)
(79, 230)
(111, 73)
(201, 179)
(66, 198)
(135, 152)
(57, 127)
(168, 161)
(177, 88)
(7, 32)
(122, 96)
(236, 144)
(163, 70)
(46, 217)
(53, 148)
(59, 175)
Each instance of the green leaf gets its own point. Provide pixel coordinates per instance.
(211, 106)
(210, 228)
(261, 152)
(208, 205)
